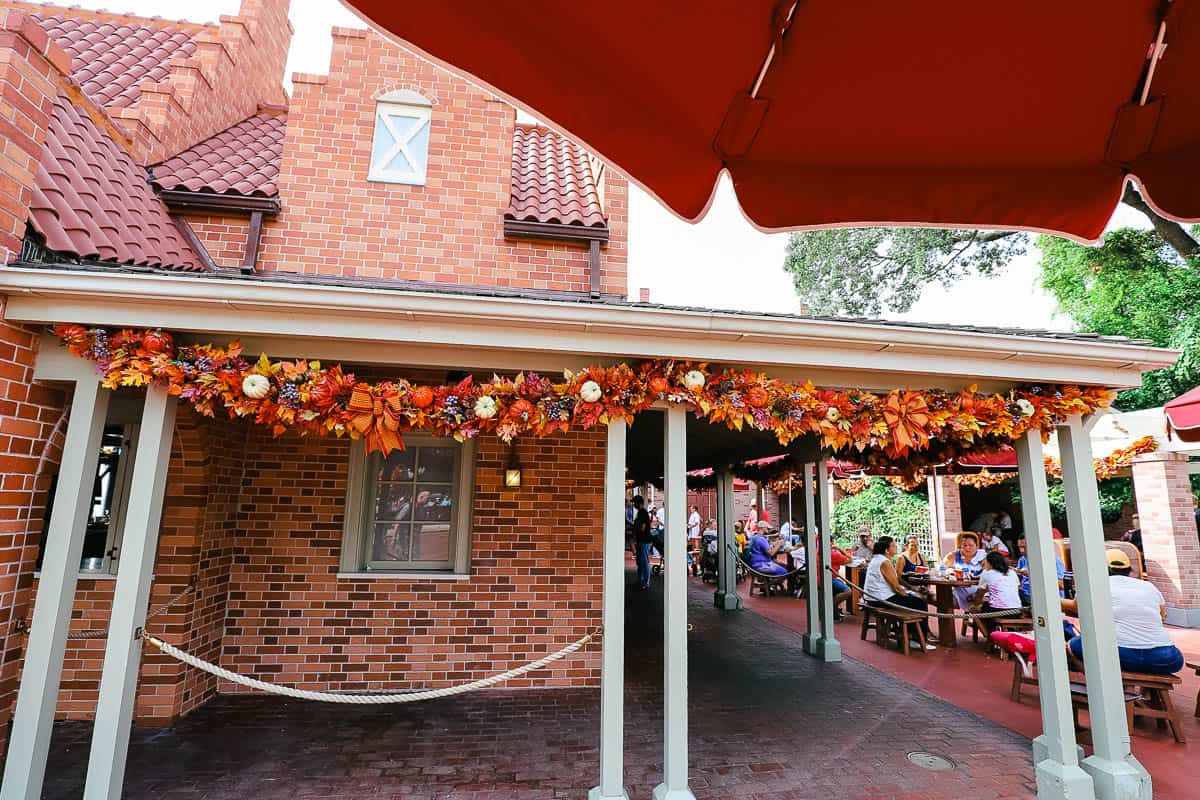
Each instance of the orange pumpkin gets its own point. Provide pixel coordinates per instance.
(157, 341)
(323, 393)
(658, 385)
(757, 396)
(422, 396)
(520, 409)
(72, 332)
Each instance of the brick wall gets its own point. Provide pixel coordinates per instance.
(1169, 539)
(535, 583)
(336, 223)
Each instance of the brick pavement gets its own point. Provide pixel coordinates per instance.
(766, 722)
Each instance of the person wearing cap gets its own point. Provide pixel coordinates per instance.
(1143, 643)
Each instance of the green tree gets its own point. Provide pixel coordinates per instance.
(1133, 285)
(864, 271)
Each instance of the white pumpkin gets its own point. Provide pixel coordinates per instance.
(485, 407)
(590, 391)
(694, 380)
(832, 414)
(256, 386)
(1026, 407)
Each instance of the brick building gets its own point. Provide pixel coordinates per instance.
(396, 219)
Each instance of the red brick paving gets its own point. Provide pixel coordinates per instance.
(766, 722)
(969, 678)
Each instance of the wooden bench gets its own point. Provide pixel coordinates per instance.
(893, 623)
(768, 586)
(1151, 693)
(1154, 700)
(1196, 666)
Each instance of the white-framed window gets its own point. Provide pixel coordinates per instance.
(409, 512)
(400, 143)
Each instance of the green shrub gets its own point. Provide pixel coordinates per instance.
(882, 508)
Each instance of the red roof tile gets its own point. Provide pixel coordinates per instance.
(241, 160)
(92, 201)
(110, 60)
(552, 180)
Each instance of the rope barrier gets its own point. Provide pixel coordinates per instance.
(364, 699)
(1007, 612)
(752, 570)
(101, 633)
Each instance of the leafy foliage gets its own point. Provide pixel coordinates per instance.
(882, 508)
(862, 271)
(1114, 495)
(1132, 285)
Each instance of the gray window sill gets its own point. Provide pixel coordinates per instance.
(376, 574)
(85, 576)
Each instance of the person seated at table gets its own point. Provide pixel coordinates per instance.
(1138, 608)
(882, 586)
(968, 558)
(998, 589)
(1023, 572)
(992, 543)
(763, 551)
(910, 558)
(863, 548)
(739, 536)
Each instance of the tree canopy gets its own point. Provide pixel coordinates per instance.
(1132, 285)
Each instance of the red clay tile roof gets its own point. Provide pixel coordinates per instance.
(552, 180)
(111, 60)
(241, 160)
(92, 201)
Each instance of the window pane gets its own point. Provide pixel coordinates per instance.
(398, 466)
(394, 501)
(436, 464)
(431, 542)
(391, 542)
(383, 141)
(433, 503)
(418, 146)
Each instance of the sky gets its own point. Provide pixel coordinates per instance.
(720, 262)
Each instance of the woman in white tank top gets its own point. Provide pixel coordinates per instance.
(883, 584)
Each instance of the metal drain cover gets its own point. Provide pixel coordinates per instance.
(931, 761)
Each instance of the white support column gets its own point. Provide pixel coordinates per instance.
(37, 697)
(813, 636)
(1117, 775)
(612, 666)
(123, 650)
(726, 596)
(828, 646)
(1055, 754)
(675, 711)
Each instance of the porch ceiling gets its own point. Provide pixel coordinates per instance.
(708, 445)
(380, 326)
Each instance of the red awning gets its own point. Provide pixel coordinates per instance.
(1026, 114)
(1183, 416)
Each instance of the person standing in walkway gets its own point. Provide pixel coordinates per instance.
(882, 585)
(693, 539)
(752, 519)
(643, 538)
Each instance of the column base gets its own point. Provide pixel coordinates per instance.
(1041, 751)
(1119, 780)
(727, 601)
(661, 792)
(829, 650)
(811, 644)
(1057, 781)
(1183, 617)
(595, 794)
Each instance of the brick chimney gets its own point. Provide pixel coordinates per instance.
(643, 295)
(30, 71)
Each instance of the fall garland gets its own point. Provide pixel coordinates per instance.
(901, 430)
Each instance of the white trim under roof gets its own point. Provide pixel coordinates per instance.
(371, 325)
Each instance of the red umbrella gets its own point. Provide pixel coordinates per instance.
(1027, 114)
(1183, 416)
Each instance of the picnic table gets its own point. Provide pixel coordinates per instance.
(944, 600)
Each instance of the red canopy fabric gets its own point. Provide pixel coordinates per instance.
(1183, 416)
(1025, 114)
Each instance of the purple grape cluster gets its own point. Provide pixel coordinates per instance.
(289, 395)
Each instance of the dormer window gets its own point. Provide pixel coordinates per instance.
(400, 146)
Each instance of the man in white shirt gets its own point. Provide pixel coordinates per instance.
(694, 523)
(1143, 643)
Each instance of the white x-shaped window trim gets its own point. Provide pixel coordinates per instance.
(380, 168)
